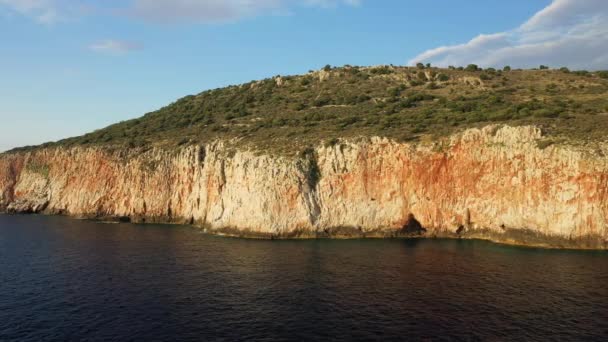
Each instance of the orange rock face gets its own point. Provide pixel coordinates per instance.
(495, 178)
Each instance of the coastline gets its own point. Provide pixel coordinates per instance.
(482, 183)
(524, 238)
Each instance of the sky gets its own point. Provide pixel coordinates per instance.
(68, 67)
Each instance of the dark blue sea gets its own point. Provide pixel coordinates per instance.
(69, 280)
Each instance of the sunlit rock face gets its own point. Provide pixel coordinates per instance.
(494, 179)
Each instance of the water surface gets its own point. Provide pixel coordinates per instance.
(63, 279)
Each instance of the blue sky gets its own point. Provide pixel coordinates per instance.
(69, 67)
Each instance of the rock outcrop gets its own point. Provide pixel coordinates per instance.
(494, 182)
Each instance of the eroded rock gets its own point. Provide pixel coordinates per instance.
(481, 178)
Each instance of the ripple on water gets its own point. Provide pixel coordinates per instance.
(62, 279)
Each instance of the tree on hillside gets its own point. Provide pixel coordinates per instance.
(443, 77)
(472, 67)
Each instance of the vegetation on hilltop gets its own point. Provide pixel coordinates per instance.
(404, 103)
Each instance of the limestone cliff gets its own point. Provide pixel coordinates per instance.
(494, 182)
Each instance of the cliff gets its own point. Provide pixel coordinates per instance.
(500, 182)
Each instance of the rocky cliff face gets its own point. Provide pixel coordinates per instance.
(493, 182)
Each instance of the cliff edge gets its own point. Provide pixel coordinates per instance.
(507, 184)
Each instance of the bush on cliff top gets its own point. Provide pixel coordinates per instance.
(291, 112)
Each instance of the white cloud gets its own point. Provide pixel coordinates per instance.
(571, 33)
(115, 47)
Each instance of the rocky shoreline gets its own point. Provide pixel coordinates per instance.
(512, 237)
(480, 184)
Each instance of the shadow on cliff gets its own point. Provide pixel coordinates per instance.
(412, 227)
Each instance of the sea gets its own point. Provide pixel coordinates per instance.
(63, 279)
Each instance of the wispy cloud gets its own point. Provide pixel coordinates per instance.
(43, 11)
(571, 33)
(47, 11)
(198, 11)
(164, 11)
(332, 3)
(115, 47)
(213, 11)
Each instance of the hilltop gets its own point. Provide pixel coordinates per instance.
(292, 156)
(287, 113)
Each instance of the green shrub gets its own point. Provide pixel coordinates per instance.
(432, 85)
(299, 106)
(472, 67)
(552, 87)
(485, 77)
(348, 121)
(183, 141)
(332, 142)
(543, 144)
(383, 70)
(602, 74)
(363, 98)
(322, 101)
(506, 68)
(394, 92)
(546, 113)
(39, 168)
(443, 77)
